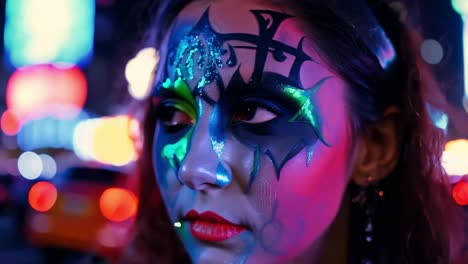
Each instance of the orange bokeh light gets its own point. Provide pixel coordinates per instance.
(118, 204)
(112, 142)
(42, 196)
(38, 90)
(10, 123)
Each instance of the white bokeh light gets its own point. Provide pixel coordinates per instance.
(49, 166)
(140, 72)
(30, 165)
(432, 51)
(460, 6)
(83, 139)
(455, 157)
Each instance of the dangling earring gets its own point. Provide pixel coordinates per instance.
(367, 200)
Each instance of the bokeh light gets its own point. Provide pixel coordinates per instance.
(460, 6)
(39, 90)
(49, 31)
(140, 72)
(49, 132)
(112, 143)
(49, 166)
(465, 59)
(118, 204)
(30, 165)
(465, 103)
(455, 157)
(460, 192)
(83, 139)
(438, 117)
(10, 123)
(42, 196)
(432, 51)
(107, 140)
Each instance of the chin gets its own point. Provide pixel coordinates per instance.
(216, 255)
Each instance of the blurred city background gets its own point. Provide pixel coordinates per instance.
(71, 76)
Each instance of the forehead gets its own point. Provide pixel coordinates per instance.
(236, 18)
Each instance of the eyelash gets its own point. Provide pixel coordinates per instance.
(166, 111)
(258, 103)
(165, 114)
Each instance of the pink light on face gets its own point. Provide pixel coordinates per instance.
(39, 90)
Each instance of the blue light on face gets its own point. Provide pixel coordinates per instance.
(49, 31)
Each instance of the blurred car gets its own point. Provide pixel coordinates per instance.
(84, 209)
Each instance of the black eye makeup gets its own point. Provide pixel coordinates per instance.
(174, 115)
(255, 111)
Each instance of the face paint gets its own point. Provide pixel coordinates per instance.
(176, 152)
(183, 101)
(255, 166)
(297, 123)
(259, 135)
(308, 112)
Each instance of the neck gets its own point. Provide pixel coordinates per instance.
(335, 243)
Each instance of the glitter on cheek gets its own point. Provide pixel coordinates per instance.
(223, 175)
(310, 153)
(217, 147)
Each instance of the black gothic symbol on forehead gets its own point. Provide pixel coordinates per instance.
(191, 51)
(202, 48)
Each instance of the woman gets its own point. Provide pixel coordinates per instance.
(290, 132)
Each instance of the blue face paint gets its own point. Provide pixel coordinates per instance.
(199, 56)
(217, 137)
(255, 167)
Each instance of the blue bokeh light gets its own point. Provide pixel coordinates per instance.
(49, 132)
(49, 31)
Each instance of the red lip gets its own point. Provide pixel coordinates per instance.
(210, 227)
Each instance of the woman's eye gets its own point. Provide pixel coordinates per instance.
(173, 118)
(252, 113)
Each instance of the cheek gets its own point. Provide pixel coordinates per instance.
(166, 178)
(304, 202)
(313, 194)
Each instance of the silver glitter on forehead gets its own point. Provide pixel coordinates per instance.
(199, 50)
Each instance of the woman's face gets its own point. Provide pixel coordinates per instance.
(253, 141)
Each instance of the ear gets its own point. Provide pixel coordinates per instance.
(377, 150)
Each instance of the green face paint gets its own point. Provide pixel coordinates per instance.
(307, 111)
(175, 153)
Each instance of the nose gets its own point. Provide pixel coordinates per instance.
(203, 167)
